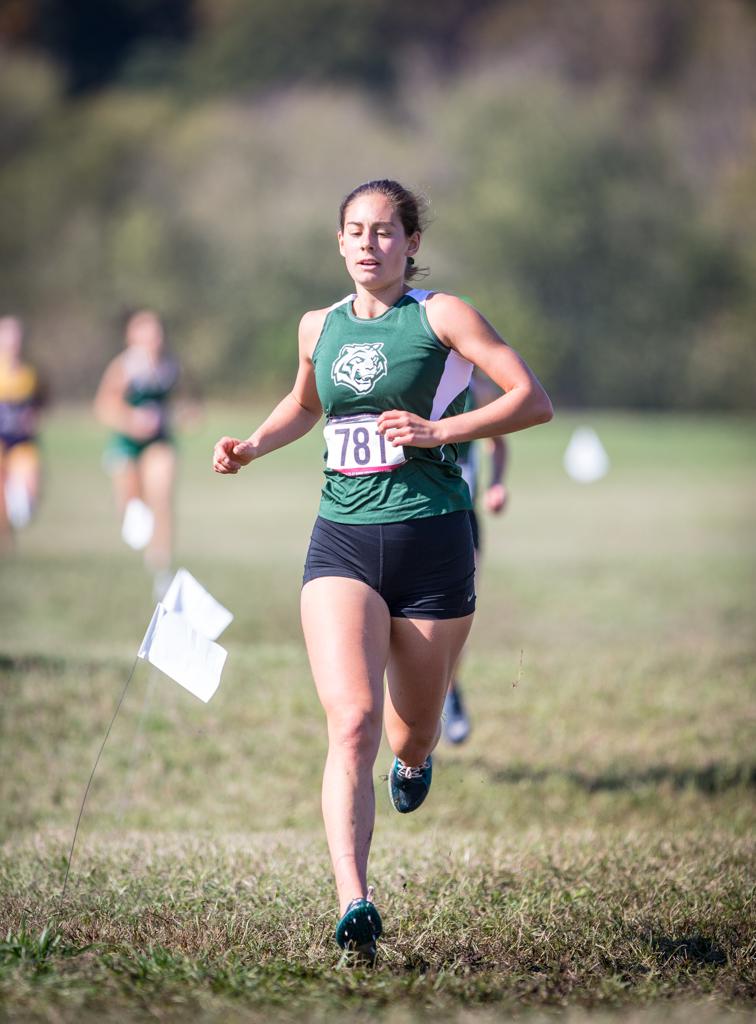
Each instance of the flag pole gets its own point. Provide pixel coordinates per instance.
(94, 769)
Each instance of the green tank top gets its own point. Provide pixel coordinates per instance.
(147, 385)
(394, 361)
(465, 448)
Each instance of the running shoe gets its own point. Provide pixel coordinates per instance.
(456, 724)
(359, 929)
(408, 786)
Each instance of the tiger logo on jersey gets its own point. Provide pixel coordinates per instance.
(359, 366)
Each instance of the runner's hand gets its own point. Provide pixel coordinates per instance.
(230, 455)
(402, 428)
(496, 498)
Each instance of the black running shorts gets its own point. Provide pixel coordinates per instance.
(475, 529)
(422, 568)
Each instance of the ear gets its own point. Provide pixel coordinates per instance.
(413, 243)
(340, 237)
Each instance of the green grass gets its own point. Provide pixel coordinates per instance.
(590, 849)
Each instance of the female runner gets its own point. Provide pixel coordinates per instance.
(133, 400)
(21, 399)
(389, 576)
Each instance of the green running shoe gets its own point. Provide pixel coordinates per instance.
(359, 929)
(408, 786)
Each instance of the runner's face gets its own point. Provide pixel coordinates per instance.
(374, 243)
(145, 332)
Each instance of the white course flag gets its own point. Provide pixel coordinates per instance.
(184, 654)
(199, 608)
(585, 458)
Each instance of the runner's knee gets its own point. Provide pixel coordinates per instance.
(413, 744)
(354, 731)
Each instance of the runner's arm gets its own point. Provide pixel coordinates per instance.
(496, 493)
(112, 409)
(523, 404)
(293, 417)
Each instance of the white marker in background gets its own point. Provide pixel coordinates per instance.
(585, 458)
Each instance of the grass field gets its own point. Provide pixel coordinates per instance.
(589, 851)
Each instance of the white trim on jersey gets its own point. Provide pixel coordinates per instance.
(456, 373)
(454, 380)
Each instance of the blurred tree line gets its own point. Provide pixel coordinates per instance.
(591, 166)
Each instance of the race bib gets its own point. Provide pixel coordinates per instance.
(356, 448)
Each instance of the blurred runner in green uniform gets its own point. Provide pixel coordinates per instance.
(133, 400)
(456, 721)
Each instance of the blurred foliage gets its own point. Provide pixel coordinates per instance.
(592, 169)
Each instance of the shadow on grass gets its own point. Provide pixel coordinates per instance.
(709, 779)
(694, 948)
(52, 664)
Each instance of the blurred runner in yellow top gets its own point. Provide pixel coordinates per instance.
(21, 398)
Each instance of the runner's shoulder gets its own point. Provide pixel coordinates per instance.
(445, 302)
(311, 327)
(116, 373)
(449, 315)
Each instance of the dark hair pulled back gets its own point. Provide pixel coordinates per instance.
(410, 207)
